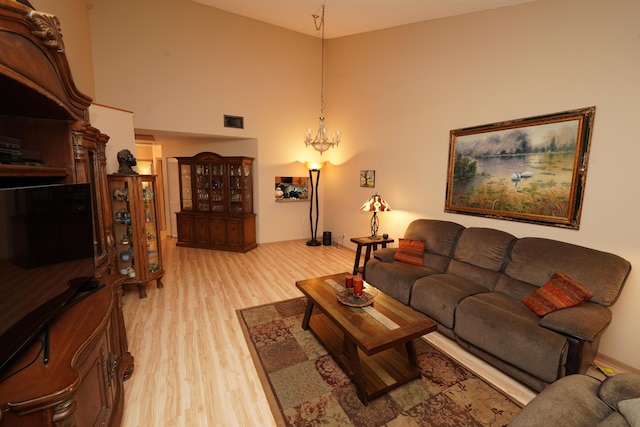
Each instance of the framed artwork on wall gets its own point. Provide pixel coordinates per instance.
(292, 188)
(531, 170)
(368, 178)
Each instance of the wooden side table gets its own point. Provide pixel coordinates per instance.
(369, 243)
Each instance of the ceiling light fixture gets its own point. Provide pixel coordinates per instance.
(321, 142)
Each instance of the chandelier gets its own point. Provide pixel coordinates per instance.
(321, 142)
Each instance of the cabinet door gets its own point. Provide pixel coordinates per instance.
(202, 229)
(151, 228)
(186, 195)
(186, 228)
(234, 231)
(247, 194)
(95, 394)
(217, 231)
(235, 187)
(122, 195)
(218, 190)
(202, 186)
(90, 166)
(240, 186)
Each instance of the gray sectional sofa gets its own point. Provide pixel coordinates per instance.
(472, 285)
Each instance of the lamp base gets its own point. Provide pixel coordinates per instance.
(314, 242)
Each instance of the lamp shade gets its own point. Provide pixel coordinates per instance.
(375, 203)
(314, 166)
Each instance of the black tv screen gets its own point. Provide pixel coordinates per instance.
(46, 256)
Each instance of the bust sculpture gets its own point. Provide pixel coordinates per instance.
(126, 161)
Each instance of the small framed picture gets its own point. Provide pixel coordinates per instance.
(368, 178)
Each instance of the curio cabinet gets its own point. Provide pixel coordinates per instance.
(136, 229)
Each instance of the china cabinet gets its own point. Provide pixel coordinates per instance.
(216, 203)
(136, 229)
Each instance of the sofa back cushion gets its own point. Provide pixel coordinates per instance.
(534, 260)
(439, 239)
(480, 254)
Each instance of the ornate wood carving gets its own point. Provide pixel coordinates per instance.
(63, 414)
(48, 29)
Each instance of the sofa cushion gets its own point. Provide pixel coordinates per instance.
(480, 254)
(483, 247)
(396, 278)
(410, 251)
(439, 236)
(507, 329)
(630, 410)
(438, 295)
(513, 287)
(561, 291)
(385, 254)
(534, 260)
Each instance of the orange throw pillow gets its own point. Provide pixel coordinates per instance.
(410, 251)
(561, 291)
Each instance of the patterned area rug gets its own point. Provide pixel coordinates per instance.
(306, 387)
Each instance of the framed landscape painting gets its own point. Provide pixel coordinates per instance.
(532, 170)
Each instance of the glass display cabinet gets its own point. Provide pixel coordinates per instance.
(136, 230)
(216, 203)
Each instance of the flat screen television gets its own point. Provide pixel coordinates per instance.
(46, 258)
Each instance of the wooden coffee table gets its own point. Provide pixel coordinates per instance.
(373, 344)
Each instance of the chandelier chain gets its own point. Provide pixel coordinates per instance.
(320, 27)
(322, 140)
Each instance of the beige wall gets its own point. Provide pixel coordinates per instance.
(181, 66)
(118, 124)
(74, 20)
(395, 94)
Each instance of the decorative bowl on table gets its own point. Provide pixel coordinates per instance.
(346, 296)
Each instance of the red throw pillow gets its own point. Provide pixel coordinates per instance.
(410, 251)
(561, 291)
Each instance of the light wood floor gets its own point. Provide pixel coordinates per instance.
(192, 366)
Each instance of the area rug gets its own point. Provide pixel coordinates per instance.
(306, 387)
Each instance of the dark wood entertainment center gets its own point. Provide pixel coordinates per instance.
(42, 110)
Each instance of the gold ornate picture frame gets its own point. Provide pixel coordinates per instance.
(531, 170)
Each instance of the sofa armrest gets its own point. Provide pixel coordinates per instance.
(619, 387)
(584, 322)
(385, 254)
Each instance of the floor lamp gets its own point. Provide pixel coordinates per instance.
(314, 167)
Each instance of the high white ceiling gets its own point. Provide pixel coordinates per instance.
(347, 17)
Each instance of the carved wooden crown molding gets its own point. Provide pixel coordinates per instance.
(48, 29)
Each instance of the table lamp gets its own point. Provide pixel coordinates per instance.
(375, 204)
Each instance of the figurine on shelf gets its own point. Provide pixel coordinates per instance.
(126, 161)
